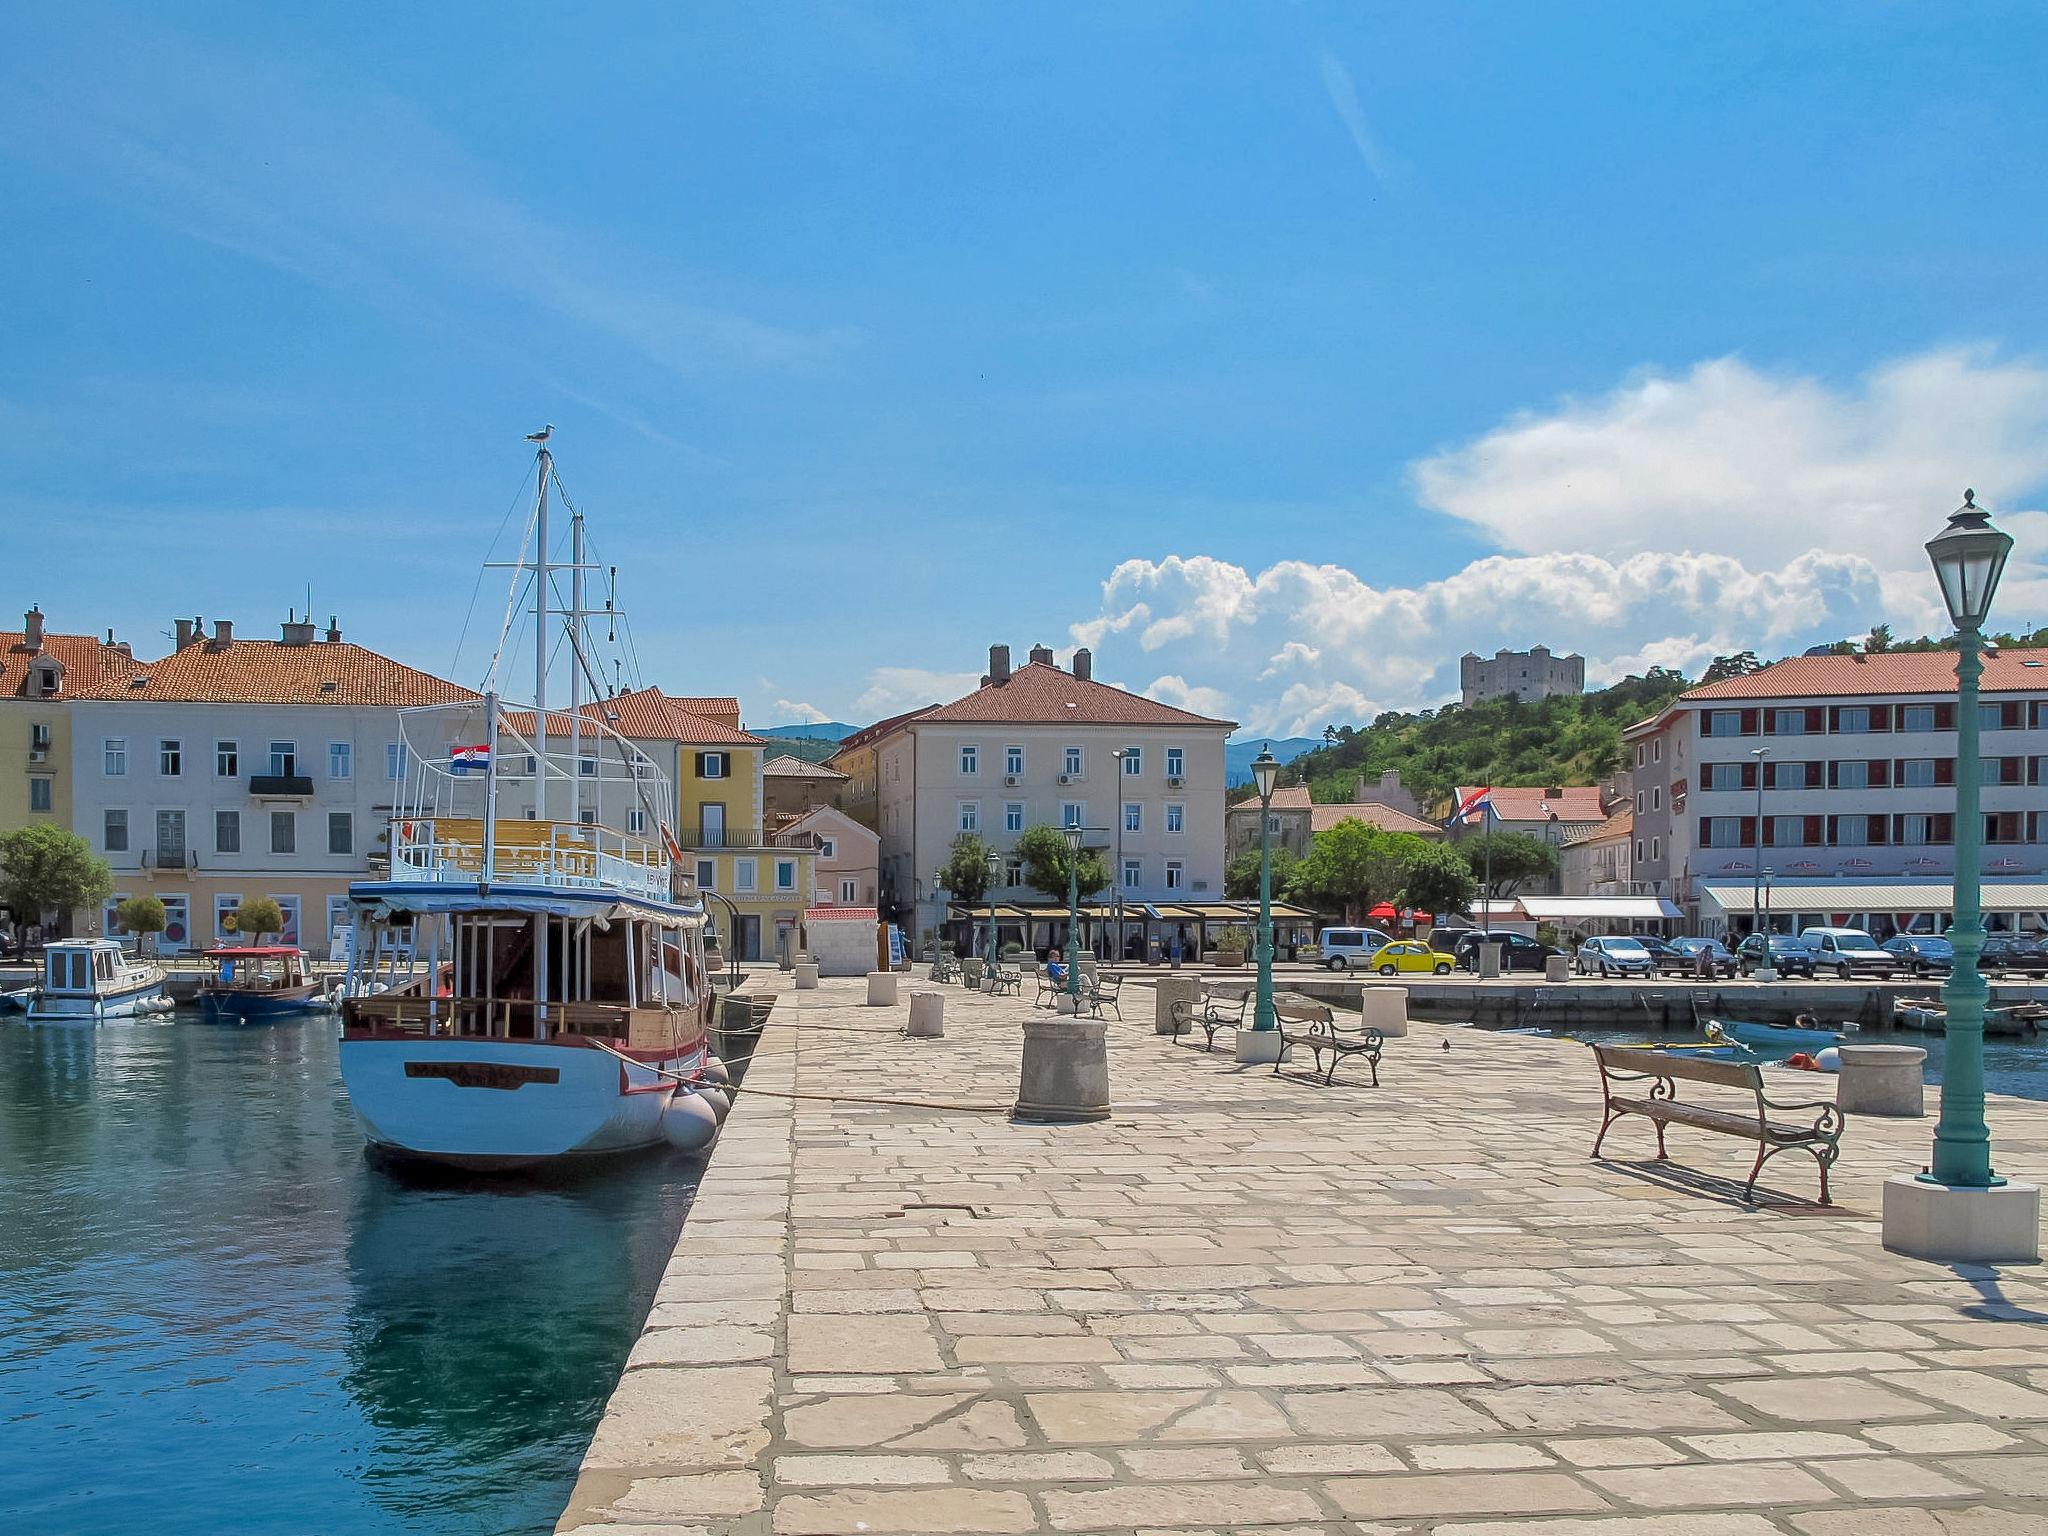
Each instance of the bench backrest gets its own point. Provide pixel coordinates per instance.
(1682, 1065)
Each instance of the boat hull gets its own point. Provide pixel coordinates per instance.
(69, 1008)
(257, 1007)
(506, 1104)
(1772, 1034)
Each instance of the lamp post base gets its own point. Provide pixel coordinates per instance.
(1951, 1223)
(1258, 1047)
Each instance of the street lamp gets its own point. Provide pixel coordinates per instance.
(1116, 879)
(1262, 1041)
(995, 869)
(1073, 833)
(1958, 1209)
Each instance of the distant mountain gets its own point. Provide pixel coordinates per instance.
(824, 730)
(1238, 755)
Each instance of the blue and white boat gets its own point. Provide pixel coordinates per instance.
(254, 983)
(1791, 1037)
(88, 981)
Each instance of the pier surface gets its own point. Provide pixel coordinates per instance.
(1249, 1302)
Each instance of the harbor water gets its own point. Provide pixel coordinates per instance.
(216, 1315)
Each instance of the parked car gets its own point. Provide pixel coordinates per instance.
(2014, 952)
(1848, 952)
(1787, 956)
(1344, 948)
(1412, 955)
(1613, 955)
(1682, 957)
(1522, 953)
(1921, 954)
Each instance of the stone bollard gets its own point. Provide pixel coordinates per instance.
(1556, 968)
(1386, 1010)
(1882, 1080)
(807, 975)
(882, 989)
(1065, 1071)
(1167, 991)
(927, 1016)
(1487, 958)
(970, 973)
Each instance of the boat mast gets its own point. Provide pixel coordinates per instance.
(546, 463)
(576, 666)
(490, 788)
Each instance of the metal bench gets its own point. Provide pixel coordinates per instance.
(1100, 992)
(1664, 1070)
(1213, 1011)
(1004, 978)
(945, 967)
(1312, 1024)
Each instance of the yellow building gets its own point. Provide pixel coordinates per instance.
(39, 672)
(721, 815)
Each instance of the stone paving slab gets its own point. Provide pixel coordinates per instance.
(1250, 1302)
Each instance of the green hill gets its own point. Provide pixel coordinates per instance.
(1502, 741)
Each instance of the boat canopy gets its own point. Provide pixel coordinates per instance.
(379, 899)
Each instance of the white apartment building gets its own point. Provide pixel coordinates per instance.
(234, 768)
(1038, 746)
(1854, 822)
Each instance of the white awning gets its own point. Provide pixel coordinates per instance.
(1571, 909)
(1874, 896)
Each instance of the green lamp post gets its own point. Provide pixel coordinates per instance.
(995, 871)
(1074, 835)
(1969, 557)
(1262, 1041)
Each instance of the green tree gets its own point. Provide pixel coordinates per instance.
(965, 872)
(1878, 641)
(256, 916)
(1438, 878)
(1349, 868)
(1241, 876)
(1044, 852)
(1741, 664)
(47, 869)
(1516, 859)
(142, 915)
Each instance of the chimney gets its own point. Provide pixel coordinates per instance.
(184, 633)
(297, 631)
(1084, 664)
(333, 631)
(1041, 653)
(998, 664)
(223, 635)
(32, 629)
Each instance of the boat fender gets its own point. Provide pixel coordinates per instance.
(1802, 1062)
(1829, 1060)
(689, 1124)
(713, 1071)
(720, 1102)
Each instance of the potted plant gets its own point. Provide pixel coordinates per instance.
(1232, 945)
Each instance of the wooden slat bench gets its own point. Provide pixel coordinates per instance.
(1213, 1011)
(1305, 1022)
(1664, 1070)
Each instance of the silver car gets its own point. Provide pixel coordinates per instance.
(1616, 955)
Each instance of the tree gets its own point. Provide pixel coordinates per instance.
(1241, 877)
(1349, 868)
(1878, 641)
(1046, 860)
(143, 916)
(47, 869)
(965, 872)
(1438, 879)
(1741, 664)
(256, 916)
(1516, 858)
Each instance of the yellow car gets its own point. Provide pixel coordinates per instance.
(1411, 955)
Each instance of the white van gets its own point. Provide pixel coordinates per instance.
(1848, 952)
(1344, 948)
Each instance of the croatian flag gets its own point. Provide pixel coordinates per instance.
(1478, 803)
(475, 759)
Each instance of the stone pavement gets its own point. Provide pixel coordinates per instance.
(1249, 1303)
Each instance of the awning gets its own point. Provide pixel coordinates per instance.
(1874, 895)
(1579, 909)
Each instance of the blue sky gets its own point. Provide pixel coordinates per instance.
(1282, 352)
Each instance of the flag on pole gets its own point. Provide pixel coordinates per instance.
(476, 759)
(1478, 803)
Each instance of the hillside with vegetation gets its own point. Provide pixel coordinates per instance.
(1501, 741)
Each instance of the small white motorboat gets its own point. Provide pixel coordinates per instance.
(88, 981)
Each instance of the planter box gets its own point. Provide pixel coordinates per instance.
(1228, 958)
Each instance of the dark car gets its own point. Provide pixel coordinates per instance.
(1922, 954)
(1522, 953)
(1682, 957)
(1788, 957)
(2014, 952)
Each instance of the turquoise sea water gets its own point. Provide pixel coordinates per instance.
(216, 1316)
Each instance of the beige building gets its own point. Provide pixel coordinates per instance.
(1598, 863)
(792, 787)
(849, 857)
(1297, 819)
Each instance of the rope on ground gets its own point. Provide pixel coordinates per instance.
(846, 1098)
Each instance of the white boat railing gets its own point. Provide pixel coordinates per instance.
(555, 855)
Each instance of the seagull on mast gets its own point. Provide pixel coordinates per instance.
(542, 435)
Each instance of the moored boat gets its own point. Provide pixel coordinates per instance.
(1783, 1036)
(88, 981)
(1930, 1015)
(254, 982)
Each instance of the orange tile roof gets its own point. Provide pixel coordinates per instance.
(87, 661)
(785, 766)
(717, 707)
(1618, 826)
(647, 714)
(1577, 802)
(1291, 797)
(1040, 693)
(271, 672)
(1837, 677)
(1374, 814)
(869, 734)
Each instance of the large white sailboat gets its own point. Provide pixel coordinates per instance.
(528, 982)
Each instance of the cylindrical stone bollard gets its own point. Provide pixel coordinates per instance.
(1556, 968)
(1882, 1080)
(927, 1015)
(1487, 958)
(1386, 1010)
(807, 975)
(1167, 991)
(1065, 1071)
(882, 989)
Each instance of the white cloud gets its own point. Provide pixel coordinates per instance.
(891, 690)
(1343, 93)
(796, 712)
(1181, 694)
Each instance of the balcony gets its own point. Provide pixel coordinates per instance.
(170, 860)
(706, 839)
(281, 786)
